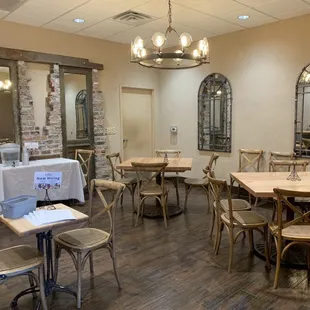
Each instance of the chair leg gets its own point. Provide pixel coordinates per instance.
(42, 288)
(32, 284)
(231, 249)
(138, 212)
(79, 280)
(177, 191)
(278, 264)
(188, 189)
(163, 204)
(56, 264)
(251, 245)
(113, 256)
(218, 237)
(267, 253)
(213, 220)
(122, 199)
(91, 263)
(132, 192)
(256, 201)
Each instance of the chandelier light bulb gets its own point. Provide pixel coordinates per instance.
(142, 52)
(178, 60)
(307, 79)
(219, 92)
(186, 40)
(196, 53)
(158, 39)
(138, 42)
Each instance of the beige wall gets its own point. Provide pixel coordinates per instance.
(115, 58)
(263, 65)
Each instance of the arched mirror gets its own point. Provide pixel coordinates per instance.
(302, 114)
(214, 114)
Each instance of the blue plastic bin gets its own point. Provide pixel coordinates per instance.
(19, 206)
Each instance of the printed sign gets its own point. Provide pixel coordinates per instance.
(47, 180)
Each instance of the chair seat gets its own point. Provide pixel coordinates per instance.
(19, 259)
(127, 181)
(152, 190)
(191, 181)
(83, 238)
(293, 232)
(237, 204)
(246, 218)
(171, 175)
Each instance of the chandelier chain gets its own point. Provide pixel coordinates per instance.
(170, 13)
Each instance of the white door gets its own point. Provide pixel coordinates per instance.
(136, 111)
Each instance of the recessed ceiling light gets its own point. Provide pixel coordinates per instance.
(244, 17)
(79, 20)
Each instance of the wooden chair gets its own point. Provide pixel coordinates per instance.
(245, 221)
(120, 176)
(22, 260)
(296, 231)
(147, 186)
(249, 161)
(81, 243)
(280, 156)
(174, 178)
(283, 166)
(190, 183)
(84, 157)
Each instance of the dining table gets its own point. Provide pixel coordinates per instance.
(44, 235)
(176, 165)
(261, 185)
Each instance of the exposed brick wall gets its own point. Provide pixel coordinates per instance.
(100, 139)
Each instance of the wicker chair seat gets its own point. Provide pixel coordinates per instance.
(246, 218)
(152, 190)
(19, 258)
(83, 238)
(237, 204)
(127, 181)
(293, 232)
(192, 181)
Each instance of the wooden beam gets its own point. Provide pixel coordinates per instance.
(30, 56)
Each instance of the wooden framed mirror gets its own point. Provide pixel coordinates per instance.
(76, 109)
(214, 114)
(9, 116)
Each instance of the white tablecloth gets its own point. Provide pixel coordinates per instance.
(19, 180)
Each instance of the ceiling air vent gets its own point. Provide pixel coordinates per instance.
(10, 5)
(132, 18)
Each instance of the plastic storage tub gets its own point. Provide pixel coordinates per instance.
(10, 154)
(19, 206)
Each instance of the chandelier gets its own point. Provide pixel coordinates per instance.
(170, 58)
(6, 85)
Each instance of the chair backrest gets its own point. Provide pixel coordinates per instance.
(170, 153)
(114, 159)
(249, 160)
(301, 216)
(217, 187)
(109, 208)
(143, 173)
(209, 169)
(280, 156)
(286, 165)
(84, 157)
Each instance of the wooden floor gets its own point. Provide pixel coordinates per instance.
(172, 268)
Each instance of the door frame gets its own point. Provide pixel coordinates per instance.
(121, 87)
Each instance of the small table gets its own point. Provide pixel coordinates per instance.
(174, 165)
(15, 181)
(23, 227)
(261, 185)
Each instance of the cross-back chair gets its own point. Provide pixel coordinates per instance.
(85, 157)
(22, 260)
(243, 220)
(287, 165)
(147, 186)
(280, 156)
(174, 178)
(81, 243)
(118, 175)
(190, 183)
(249, 161)
(296, 230)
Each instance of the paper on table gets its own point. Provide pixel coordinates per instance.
(43, 217)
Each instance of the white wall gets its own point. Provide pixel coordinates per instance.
(262, 65)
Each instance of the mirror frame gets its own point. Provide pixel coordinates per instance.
(202, 120)
(83, 143)
(12, 65)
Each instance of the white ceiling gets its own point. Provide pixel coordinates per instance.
(198, 17)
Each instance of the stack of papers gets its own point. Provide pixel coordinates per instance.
(44, 217)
